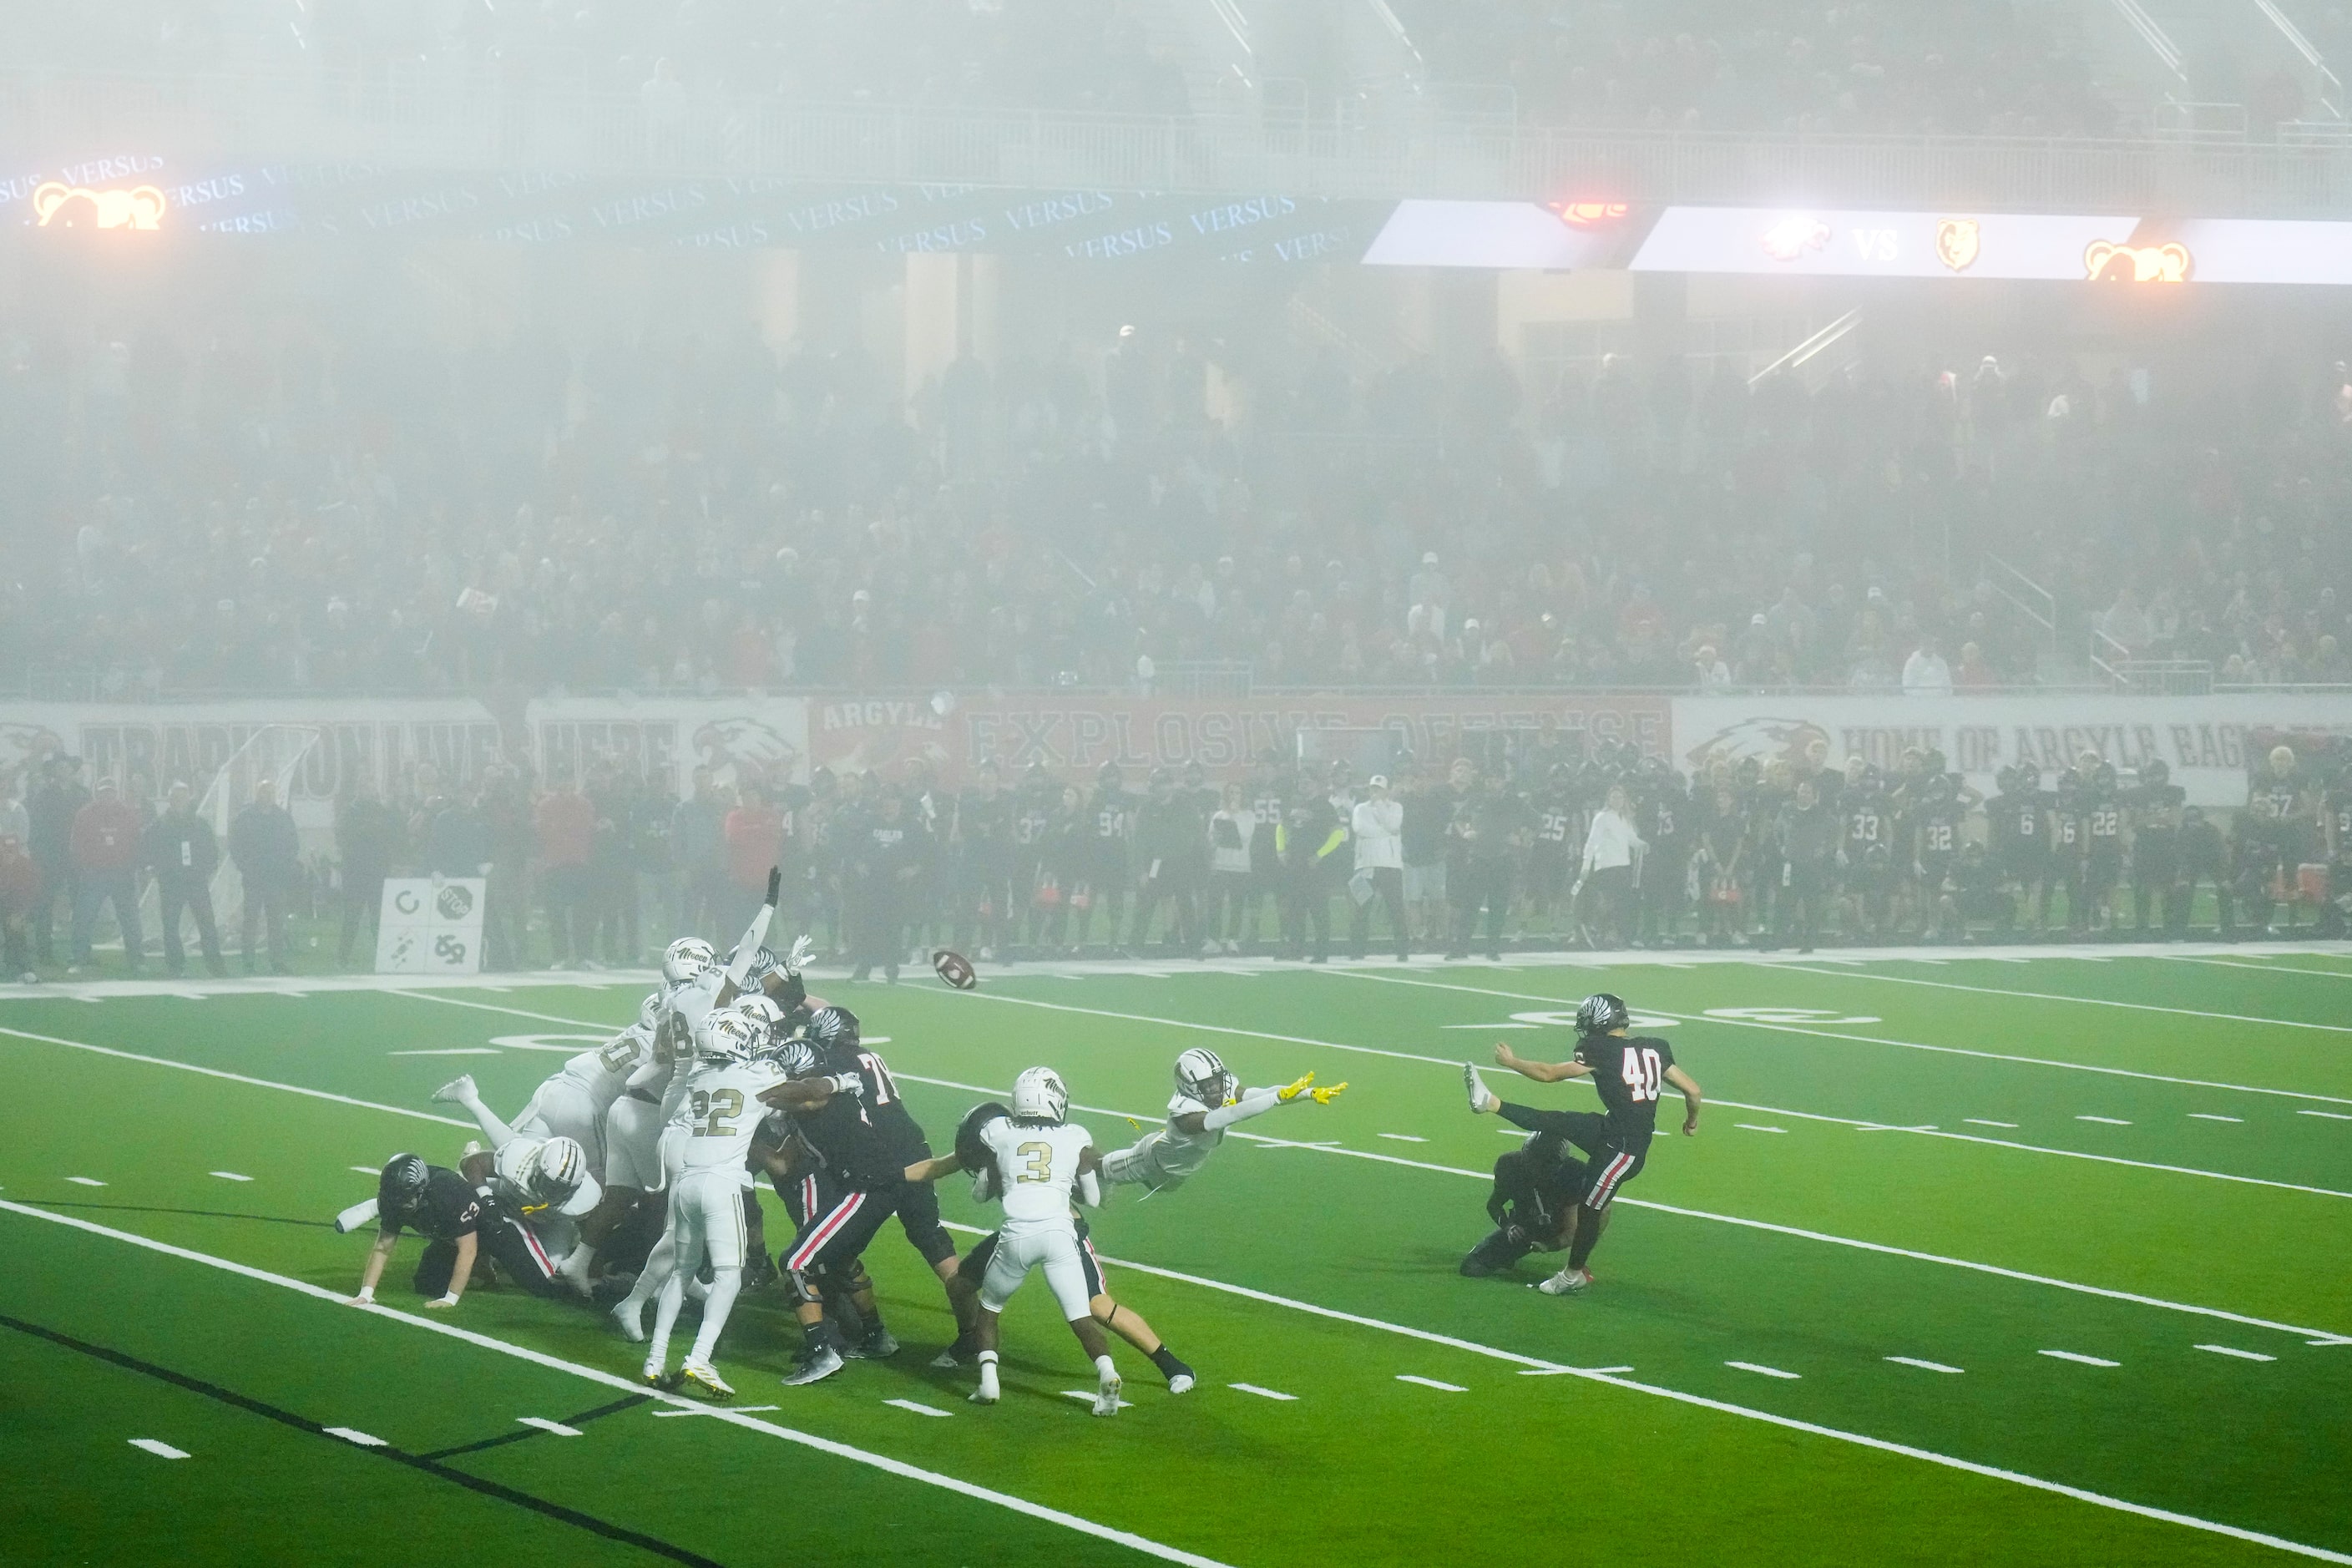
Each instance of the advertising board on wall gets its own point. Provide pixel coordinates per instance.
(2202, 739)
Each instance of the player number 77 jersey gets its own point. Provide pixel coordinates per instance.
(1037, 1165)
(719, 1110)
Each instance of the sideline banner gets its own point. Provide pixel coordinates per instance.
(430, 925)
(1076, 735)
(2202, 739)
(664, 739)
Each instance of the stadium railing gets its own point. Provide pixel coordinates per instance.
(482, 120)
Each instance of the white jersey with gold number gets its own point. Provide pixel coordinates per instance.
(1166, 1156)
(689, 1002)
(720, 1109)
(1037, 1167)
(603, 1073)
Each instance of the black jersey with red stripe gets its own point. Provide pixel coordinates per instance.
(899, 1135)
(1629, 1071)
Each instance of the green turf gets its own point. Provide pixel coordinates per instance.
(1360, 1466)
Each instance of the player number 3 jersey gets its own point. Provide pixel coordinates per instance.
(1037, 1165)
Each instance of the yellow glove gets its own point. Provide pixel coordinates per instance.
(1294, 1090)
(1326, 1096)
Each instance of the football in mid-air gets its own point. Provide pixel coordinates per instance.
(955, 969)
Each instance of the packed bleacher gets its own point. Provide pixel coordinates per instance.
(308, 505)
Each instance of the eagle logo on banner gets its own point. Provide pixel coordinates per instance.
(1956, 241)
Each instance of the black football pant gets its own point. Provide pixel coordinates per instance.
(509, 1244)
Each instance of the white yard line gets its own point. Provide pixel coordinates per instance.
(1861, 1039)
(631, 1385)
(232, 1077)
(1141, 1544)
(2062, 997)
(2272, 968)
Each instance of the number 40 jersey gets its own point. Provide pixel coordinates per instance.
(719, 1111)
(1628, 1071)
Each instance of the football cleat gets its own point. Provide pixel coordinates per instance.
(954, 1356)
(656, 1377)
(877, 1346)
(1107, 1396)
(987, 1393)
(630, 1320)
(1292, 1091)
(458, 1090)
(1566, 1282)
(1329, 1092)
(1182, 1383)
(704, 1379)
(815, 1369)
(1482, 1098)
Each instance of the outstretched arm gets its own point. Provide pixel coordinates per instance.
(931, 1170)
(1691, 1098)
(1542, 1072)
(1255, 1103)
(755, 936)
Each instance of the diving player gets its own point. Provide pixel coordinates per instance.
(1208, 1100)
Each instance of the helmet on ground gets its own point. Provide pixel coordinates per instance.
(401, 1186)
(1201, 1075)
(1602, 1014)
(687, 958)
(1039, 1095)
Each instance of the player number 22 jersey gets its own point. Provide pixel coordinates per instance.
(1037, 1165)
(719, 1111)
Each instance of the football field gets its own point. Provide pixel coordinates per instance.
(2039, 1256)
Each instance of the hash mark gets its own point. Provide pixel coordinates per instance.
(2241, 1355)
(1261, 1392)
(353, 1435)
(2105, 1120)
(1432, 1382)
(1756, 1127)
(85, 1181)
(544, 1425)
(1980, 1122)
(2210, 1116)
(2330, 1115)
(918, 1409)
(1405, 1137)
(1766, 1371)
(162, 1450)
(2083, 1360)
(228, 1175)
(1924, 1365)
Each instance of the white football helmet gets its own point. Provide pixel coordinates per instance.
(1201, 1075)
(687, 958)
(649, 1012)
(728, 1035)
(1039, 1095)
(556, 1171)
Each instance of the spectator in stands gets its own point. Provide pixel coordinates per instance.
(15, 821)
(506, 915)
(2126, 624)
(1973, 674)
(1924, 673)
(566, 827)
(267, 852)
(183, 853)
(367, 840)
(105, 849)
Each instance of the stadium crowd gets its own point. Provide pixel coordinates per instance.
(311, 506)
(1536, 840)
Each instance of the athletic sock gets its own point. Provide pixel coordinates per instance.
(1165, 1360)
(659, 1265)
(665, 1310)
(1104, 1368)
(724, 1284)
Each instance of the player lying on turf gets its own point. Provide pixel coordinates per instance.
(1627, 1071)
(459, 1220)
(1040, 1159)
(1208, 1100)
(1128, 1324)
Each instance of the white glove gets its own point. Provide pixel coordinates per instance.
(848, 1083)
(803, 951)
(366, 1297)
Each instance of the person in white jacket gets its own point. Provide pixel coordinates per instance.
(1377, 826)
(1612, 849)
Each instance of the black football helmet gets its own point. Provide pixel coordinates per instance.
(2155, 772)
(1602, 1014)
(833, 1029)
(401, 1186)
(970, 1151)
